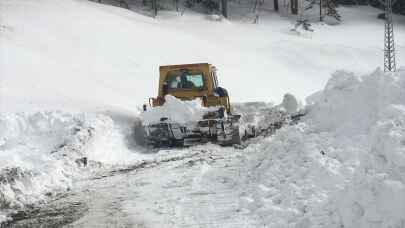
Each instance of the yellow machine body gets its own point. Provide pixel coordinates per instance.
(188, 82)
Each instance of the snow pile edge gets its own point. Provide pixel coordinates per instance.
(42, 153)
(343, 166)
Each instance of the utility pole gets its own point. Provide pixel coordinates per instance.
(389, 45)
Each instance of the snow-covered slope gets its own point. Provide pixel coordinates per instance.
(77, 54)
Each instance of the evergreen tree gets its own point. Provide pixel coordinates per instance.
(304, 23)
(331, 10)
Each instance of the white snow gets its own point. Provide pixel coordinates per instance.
(32, 153)
(176, 110)
(290, 104)
(342, 165)
(338, 167)
(40, 153)
(110, 56)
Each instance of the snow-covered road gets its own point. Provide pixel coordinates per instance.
(180, 188)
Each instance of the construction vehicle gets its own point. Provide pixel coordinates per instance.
(188, 82)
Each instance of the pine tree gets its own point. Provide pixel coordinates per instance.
(309, 4)
(304, 23)
(331, 10)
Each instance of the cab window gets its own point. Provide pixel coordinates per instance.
(185, 79)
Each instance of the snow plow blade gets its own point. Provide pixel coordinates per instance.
(223, 131)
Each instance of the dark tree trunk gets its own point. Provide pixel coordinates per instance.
(294, 6)
(154, 7)
(224, 7)
(320, 10)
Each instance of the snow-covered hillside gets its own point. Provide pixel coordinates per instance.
(78, 54)
(74, 73)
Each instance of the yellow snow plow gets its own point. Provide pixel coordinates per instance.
(189, 82)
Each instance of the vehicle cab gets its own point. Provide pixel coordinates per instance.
(191, 81)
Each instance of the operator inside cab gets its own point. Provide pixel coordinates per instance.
(181, 82)
(184, 80)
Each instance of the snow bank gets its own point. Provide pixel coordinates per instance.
(343, 166)
(43, 152)
(262, 115)
(257, 114)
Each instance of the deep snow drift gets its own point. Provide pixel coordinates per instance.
(43, 152)
(343, 166)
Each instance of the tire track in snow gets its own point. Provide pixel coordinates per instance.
(192, 187)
